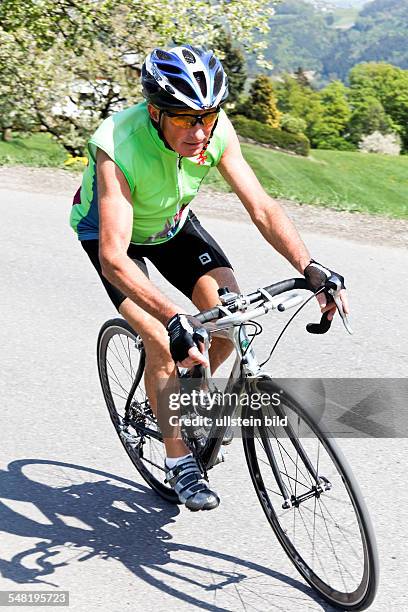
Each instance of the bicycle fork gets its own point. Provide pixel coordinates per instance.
(322, 483)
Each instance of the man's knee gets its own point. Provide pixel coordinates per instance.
(223, 345)
(154, 336)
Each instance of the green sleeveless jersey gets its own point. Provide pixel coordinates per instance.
(162, 184)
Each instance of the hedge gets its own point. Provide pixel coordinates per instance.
(276, 138)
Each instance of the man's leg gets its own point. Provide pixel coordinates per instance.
(160, 370)
(183, 473)
(205, 295)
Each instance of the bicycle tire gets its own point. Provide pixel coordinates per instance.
(363, 594)
(142, 436)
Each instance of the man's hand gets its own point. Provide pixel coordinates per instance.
(316, 276)
(184, 346)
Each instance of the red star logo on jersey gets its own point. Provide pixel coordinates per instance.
(202, 158)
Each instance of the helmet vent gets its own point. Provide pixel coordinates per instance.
(188, 56)
(218, 79)
(169, 69)
(197, 51)
(163, 55)
(169, 89)
(212, 62)
(200, 78)
(182, 86)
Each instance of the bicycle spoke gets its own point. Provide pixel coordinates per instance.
(115, 379)
(120, 363)
(321, 523)
(289, 458)
(118, 357)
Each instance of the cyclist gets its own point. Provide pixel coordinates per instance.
(146, 164)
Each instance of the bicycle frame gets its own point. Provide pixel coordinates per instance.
(244, 373)
(245, 366)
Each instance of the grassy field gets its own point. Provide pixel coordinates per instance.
(36, 150)
(345, 18)
(335, 179)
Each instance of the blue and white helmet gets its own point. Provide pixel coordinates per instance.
(184, 77)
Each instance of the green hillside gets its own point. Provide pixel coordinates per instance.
(379, 34)
(36, 150)
(298, 36)
(336, 179)
(330, 43)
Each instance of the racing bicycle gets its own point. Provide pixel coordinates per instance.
(302, 480)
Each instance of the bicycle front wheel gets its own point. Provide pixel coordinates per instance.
(121, 361)
(311, 500)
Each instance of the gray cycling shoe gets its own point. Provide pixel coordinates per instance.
(192, 489)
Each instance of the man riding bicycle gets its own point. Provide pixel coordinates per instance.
(146, 164)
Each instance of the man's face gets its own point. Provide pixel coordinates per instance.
(186, 141)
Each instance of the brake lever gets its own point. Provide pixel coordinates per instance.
(336, 297)
(199, 371)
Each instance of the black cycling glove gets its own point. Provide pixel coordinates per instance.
(316, 275)
(182, 330)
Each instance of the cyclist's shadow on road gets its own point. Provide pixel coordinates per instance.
(109, 517)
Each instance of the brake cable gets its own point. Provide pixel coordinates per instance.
(288, 323)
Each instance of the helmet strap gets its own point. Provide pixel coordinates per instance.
(203, 150)
(158, 126)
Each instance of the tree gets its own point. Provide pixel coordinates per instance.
(368, 117)
(388, 144)
(234, 63)
(301, 102)
(79, 24)
(329, 132)
(301, 77)
(389, 85)
(15, 110)
(261, 104)
(76, 62)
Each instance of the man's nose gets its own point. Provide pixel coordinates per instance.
(198, 131)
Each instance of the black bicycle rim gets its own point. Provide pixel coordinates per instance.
(147, 435)
(361, 596)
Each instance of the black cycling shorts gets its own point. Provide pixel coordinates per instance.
(182, 260)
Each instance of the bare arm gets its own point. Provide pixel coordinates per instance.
(115, 230)
(265, 212)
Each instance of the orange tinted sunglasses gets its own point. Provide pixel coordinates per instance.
(186, 120)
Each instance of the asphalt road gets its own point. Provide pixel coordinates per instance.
(74, 514)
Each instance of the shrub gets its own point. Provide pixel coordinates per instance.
(293, 125)
(276, 138)
(387, 144)
(337, 143)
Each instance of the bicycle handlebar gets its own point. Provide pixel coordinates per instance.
(332, 293)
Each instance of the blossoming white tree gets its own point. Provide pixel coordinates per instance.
(387, 144)
(87, 54)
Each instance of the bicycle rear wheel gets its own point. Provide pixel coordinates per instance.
(312, 501)
(121, 360)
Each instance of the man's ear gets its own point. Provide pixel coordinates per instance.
(153, 112)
